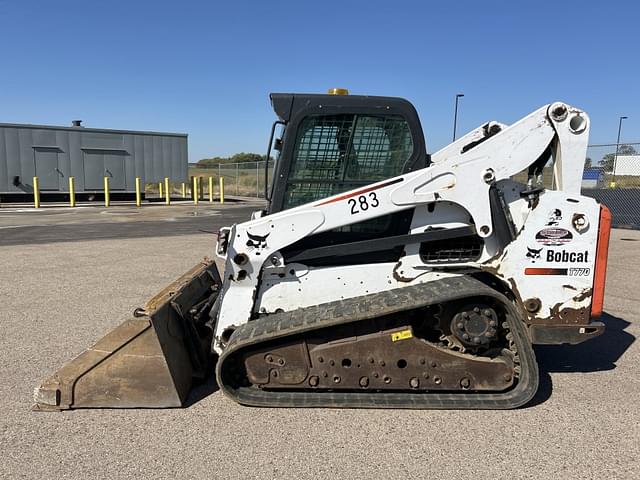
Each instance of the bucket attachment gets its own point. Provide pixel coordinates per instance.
(149, 361)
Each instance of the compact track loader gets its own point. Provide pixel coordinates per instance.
(379, 275)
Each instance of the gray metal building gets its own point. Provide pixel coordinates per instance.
(53, 154)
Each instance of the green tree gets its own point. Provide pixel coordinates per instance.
(210, 162)
(588, 163)
(607, 161)
(241, 157)
(246, 157)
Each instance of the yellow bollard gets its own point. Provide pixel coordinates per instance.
(210, 189)
(221, 189)
(195, 190)
(36, 193)
(107, 200)
(160, 189)
(184, 190)
(138, 193)
(72, 192)
(167, 191)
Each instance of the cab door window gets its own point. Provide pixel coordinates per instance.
(336, 153)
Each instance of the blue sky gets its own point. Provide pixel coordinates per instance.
(206, 68)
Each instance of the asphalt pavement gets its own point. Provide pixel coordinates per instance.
(51, 224)
(58, 298)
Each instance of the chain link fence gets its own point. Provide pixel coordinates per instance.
(612, 176)
(246, 179)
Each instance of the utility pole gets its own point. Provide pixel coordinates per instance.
(615, 158)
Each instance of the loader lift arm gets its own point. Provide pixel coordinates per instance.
(460, 177)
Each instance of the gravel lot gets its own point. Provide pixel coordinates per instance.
(59, 298)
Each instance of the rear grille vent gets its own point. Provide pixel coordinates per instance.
(454, 250)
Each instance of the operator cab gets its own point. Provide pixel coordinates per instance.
(336, 142)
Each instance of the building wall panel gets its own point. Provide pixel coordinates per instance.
(14, 165)
(126, 154)
(25, 152)
(4, 167)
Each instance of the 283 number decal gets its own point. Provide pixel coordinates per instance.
(363, 203)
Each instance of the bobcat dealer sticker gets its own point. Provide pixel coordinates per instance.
(553, 236)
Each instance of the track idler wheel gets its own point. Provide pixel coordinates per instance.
(475, 326)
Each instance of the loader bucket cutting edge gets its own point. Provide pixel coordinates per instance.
(148, 361)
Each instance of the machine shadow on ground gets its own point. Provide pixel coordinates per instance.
(597, 355)
(202, 390)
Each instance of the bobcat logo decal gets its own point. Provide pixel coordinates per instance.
(533, 254)
(554, 217)
(257, 241)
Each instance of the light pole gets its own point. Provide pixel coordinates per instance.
(455, 115)
(615, 158)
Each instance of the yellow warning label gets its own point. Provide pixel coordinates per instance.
(401, 335)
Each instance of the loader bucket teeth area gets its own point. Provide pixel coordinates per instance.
(148, 361)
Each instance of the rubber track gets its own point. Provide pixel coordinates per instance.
(278, 326)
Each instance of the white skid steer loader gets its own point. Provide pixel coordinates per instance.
(379, 275)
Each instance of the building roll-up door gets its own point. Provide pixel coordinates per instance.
(46, 167)
(93, 170)
(104, 163)
(114, 169)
